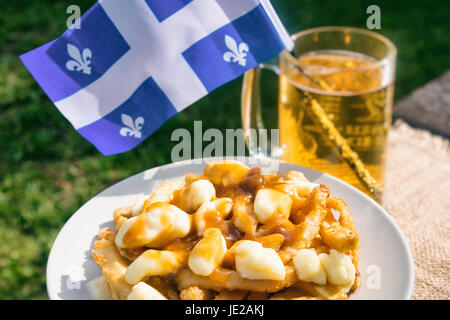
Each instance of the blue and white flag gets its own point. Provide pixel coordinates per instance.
(134, 64)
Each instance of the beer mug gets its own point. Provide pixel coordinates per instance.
(333, 107)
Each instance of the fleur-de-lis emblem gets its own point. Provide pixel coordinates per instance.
(133, 128)
(237, 53)
(81, 60)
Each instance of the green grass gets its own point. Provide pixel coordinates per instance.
(47, 170)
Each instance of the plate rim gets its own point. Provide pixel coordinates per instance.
(411, 267)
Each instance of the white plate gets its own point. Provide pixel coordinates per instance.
(386, 263)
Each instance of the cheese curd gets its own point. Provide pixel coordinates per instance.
(123, 231)
(160, 225)
(255, 262)
(208, 253)
(195, 194)
(154, 263)
(227, 173)
(338, 267)
(142, 291)
(210, 212)
(269, 202)
(309, 268)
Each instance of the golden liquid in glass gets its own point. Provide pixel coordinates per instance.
(354, 100)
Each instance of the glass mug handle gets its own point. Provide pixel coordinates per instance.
(257, 138)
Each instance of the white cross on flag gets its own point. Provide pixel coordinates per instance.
(134, 64)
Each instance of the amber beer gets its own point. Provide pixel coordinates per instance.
(334, 104)
(351, 93)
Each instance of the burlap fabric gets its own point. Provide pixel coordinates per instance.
(417, 195)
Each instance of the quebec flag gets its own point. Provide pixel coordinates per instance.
(134, 64)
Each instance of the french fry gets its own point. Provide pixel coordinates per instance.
(257, 296)
(121, 215)
(309, 227)
(231, 295)
(273, 241)
(317, 200)
(293, 294)
(345, 217)
(229, 260)
(319, 246)
(111, 264)
(131, 254)
(357, 282)
(162, 285)
(186, 278)
(196, 293)
(329, 292)
(337, 236)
